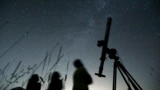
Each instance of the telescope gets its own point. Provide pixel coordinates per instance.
(112, 53)
(105, 50)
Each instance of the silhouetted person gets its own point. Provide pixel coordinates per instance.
(81, 78)
(33, 83)
(56, 82)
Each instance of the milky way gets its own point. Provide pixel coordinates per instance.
(76, 26)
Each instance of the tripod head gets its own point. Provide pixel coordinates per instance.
(112, 53)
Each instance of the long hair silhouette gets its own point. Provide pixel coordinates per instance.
(33, 83)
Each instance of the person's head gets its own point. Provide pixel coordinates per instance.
(55, 75)
(77, 63)
(34, 78)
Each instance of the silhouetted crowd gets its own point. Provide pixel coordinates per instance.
(81, 79)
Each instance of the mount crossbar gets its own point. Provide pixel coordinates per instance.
(112, 53)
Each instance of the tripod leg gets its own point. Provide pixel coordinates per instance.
(131, 79)
(129, 87)
(114, 75)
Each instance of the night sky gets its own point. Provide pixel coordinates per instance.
(31, 28)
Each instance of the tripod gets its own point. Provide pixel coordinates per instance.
(123, 71)
(112, 53)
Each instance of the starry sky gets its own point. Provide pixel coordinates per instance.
(32, 31)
